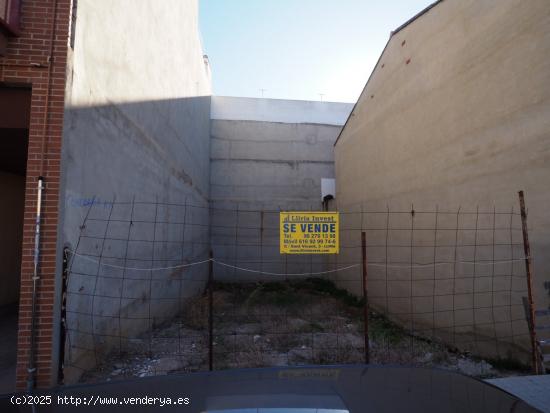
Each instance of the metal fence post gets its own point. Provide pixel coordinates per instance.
(63, 318)
(210, 315)
(365, 296)
(528, 271)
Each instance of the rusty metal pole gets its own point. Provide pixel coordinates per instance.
(63, 318)
(365, 296)
(528, 271)
(210, 315)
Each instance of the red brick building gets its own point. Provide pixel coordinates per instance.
(78, 114)
(34, 38)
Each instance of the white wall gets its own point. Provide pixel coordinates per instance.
(279, 110)
(137, 50)
(136, 127)
(267, 155)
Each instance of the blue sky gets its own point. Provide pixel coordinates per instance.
(298, 49)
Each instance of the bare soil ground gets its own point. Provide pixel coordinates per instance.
(306, 322)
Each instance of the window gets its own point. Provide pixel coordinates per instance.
(10, 11)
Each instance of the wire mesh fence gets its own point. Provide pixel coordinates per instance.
(453, 277)
(134, 270)
(160, 287)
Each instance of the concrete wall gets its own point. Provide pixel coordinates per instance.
(266, 155)
(457, 113)
(279, 110)
(136, 129)
(11, 235)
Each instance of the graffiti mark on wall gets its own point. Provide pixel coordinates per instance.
(80, 202)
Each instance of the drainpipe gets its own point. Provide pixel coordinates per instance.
(31, 369)
(31, 378)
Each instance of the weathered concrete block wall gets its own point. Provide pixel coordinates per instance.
(457, 113)
(267, 155)
(136, 130)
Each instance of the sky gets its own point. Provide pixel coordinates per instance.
(298, 49)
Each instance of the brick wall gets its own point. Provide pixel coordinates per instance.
(44, 32)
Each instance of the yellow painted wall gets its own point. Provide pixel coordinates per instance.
(457, 113)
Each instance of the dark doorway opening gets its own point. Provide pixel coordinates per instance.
(15, 105)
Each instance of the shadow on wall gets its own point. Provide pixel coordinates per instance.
(144, 148)
(144, 151)
(136, 182)
(115, 157)
(132, 270)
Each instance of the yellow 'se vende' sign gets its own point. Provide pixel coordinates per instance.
(309, 233)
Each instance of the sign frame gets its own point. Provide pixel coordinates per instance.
(309, 232)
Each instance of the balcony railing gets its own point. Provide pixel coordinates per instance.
(10, 11)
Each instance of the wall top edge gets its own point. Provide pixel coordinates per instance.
(279, 110)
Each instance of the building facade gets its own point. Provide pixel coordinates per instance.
(115, 117)
(72, 102)
(456, 116)
(267, 155)
(32, 87)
